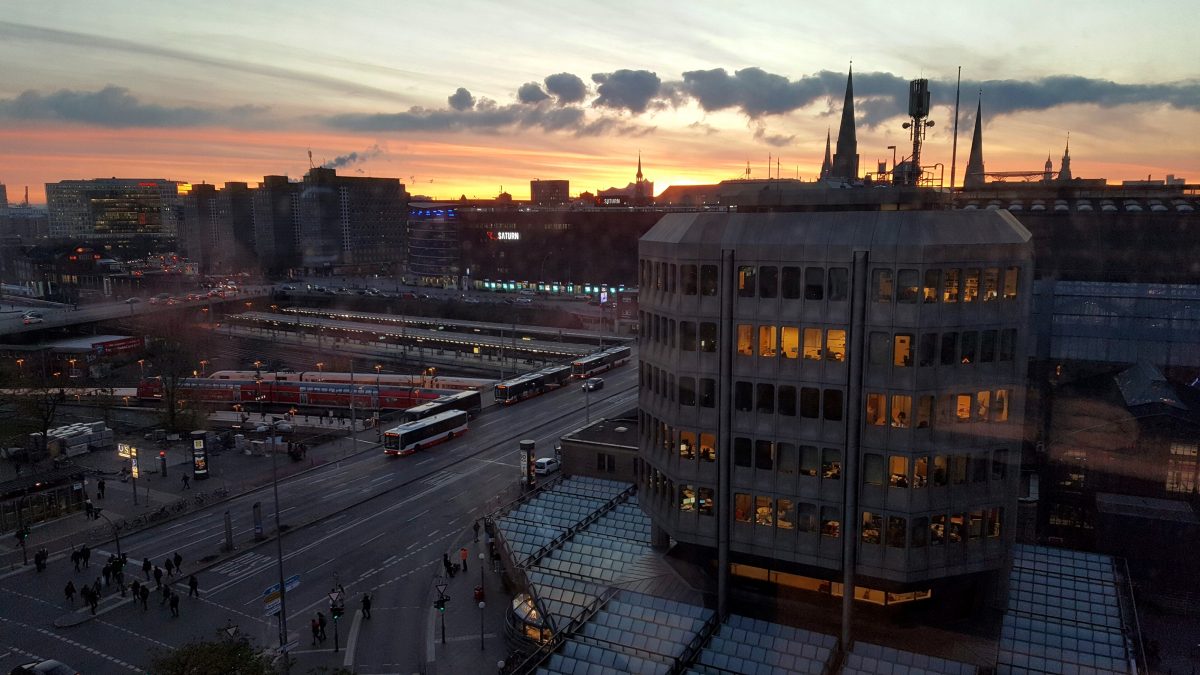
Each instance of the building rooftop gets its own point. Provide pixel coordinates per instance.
(620, 432)
(1146, 507)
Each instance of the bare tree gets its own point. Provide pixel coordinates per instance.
(34, 391)
(173, 360)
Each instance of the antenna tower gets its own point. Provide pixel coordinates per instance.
(918, 110)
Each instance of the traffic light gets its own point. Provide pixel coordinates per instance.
(22, 534)
(336, 611)
(440, 604)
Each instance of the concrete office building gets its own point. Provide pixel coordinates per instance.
(276, 214)
(820, 388)
(549, 192)
(113, 209)
(351, 225)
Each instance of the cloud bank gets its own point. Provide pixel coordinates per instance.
(116, 107)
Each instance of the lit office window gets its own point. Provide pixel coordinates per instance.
(991, 282)
(950, 289)
(745, 339)
(937, 530)
(930, 291)
(831, 522)
(767, 341)
(708, 447)
(706, 501)
(687, 498)
(835, 345)
(898, 471)
(747, 279)
(983, 405)
(883, 286)
(872, 524)
(812, 344)
(920, 472)
(902, 347)
(971, 285)
(876, 410)
(741, 507)
(763, 511)
(1010, 282)
(687, 445)
(790, 342)
(1000, 406)
(785, 514)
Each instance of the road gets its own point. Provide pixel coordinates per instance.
(370, 523)
(13, 322)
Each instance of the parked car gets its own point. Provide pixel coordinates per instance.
(593, 383)
(44, 668)
(545, 466)
(132, 301)
(28, 320)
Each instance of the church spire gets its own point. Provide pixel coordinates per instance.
(1064, 170)
(639, 173)
(845, 160)
(974, 176)
(827, 165)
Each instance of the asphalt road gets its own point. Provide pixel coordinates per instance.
(370, 523)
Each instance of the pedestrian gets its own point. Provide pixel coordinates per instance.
(120, 579)
(146, 567)
(366, 606)
(178, 559)
(107, 572)
(187, 483)
(174, 603)
(87, 555)
(321, 623)
(76, 558)
(170, 567)
(193, 586)
(96, 587)
(135, 589)
(87, 508)
(166, 595)
(144, 596)
(100, 489)
(462, 554)
(476, 528)
(157, 577)
(316, 631)
(447, 565)
(69, 591)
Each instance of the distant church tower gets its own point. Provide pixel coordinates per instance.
(827, 165)
(1064, 171)
(845, 160)
(640, 186)
(1048, 172)
(974, 177)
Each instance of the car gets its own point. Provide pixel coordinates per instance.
(523, 301)
(44, 668)
(132, 301)
(32, 314)
(29, 320)
(289, 288)
(471, 301)
(593, 383)
(544, 466)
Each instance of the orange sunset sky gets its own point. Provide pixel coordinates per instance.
(470, 97)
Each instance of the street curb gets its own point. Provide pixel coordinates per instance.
(82, 615)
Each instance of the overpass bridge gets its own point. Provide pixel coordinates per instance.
(12, 324)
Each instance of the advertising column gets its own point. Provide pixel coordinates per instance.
(199, 456)
(528, 477)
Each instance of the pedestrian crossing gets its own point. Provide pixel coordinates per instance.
(242, 564)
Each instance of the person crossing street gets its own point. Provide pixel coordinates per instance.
(366, 606)
(69, 591)
(462, 555)
(193, 586)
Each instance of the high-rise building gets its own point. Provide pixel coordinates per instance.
(217, 228)
(198, 235)
(276, 215)
(113, 209)
(549, 192)
(827, 391)
(351, 224)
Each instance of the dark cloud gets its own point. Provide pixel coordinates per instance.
(776, 140)
(461, 100)
(631, 90)
(486, 116)
(115, 106)
(883, 96)
(352, 158)
(566, 88)
(531, 92)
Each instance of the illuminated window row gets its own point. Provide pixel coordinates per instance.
(691, 336)
(904, 472)
(787, 459)
(986, 405)
(880, 529)
(791, 342)
(783, 513)
(906, 286)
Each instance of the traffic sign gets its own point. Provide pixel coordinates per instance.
(289, 584)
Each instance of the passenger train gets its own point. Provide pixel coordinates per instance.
(318, 394)
(366, 377)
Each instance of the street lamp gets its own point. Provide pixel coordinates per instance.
(481, 606)
(116, 530)
(203, 365)
(142, 369)
(72, 362)
(893, 149)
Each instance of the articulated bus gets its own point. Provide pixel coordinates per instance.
(413, 436)
(469, 402)
(598, 363)
(531, 384)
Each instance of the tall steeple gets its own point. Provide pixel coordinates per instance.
(639, 173)
(845, 160)
(974, 178)
(1064, 170)
(827, 165)
(1048, 172)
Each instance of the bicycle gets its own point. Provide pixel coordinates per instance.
(220, 493)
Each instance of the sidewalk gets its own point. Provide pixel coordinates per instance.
(464, 651)
(231, 470)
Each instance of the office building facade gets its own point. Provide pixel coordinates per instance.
(276, 213)
(549, 192)
(351, 225)
(113, 209)
(810, 378)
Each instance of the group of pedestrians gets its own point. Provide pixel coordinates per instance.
(113, 575)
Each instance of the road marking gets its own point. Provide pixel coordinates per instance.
(80, 645)
(464, 638)
(373, 538)
(352, 639)
(432, 534)
(241, 563)
(417, 516)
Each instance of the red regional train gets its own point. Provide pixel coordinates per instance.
(458, 383)
(320, 394)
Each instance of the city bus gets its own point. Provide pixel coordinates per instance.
(413, 436)
(598, 363)
(469, 402)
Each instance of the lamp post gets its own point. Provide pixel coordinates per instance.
(116, 530)
(21, 366)
(482, 557)
(203, 366)
(893, 149)
(142, 369)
